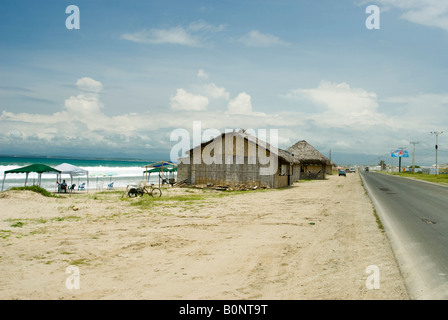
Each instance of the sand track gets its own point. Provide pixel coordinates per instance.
(310, 241)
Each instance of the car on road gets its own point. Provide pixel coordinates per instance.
(342, 173)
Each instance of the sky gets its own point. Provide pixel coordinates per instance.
(119, 78)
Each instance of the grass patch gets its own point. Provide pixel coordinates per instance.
(147, 202)
(375, 214)
(36, 189)
(78, 262)
(109, 192)
(378, 221)
(18, 224)
(38, 257)
(39, 231)
(67, 218)
(227, 193)
(185, 201)
(192, 197)
(440, 178)
(4, 234)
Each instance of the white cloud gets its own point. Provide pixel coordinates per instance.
(347, 118)
(184, 100)
(213, 91)
(255, 38)
(242, 105)
(422, 109)
(202, 74)
(201, 26)
(194, 35)
(210, 89)
(89, 84)
(14, 134)
(338, 105)
(83, 106)
(431, 13)
(340, 98)
(342, 105)
(175, 35)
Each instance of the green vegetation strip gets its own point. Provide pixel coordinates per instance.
(36, 189)
(375, 214)
(146, 201)
(440, 178)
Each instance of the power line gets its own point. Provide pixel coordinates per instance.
(413, 155)
(437, 133)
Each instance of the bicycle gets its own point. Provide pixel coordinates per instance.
(153, 192)
(140, 191)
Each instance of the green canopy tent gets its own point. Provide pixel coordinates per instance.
(38, 168)
(160, 167)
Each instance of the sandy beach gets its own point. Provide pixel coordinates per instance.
(313, 240)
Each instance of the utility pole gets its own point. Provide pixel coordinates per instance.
(413, 157)
(392, 162)
(385, 161)
(437, 147)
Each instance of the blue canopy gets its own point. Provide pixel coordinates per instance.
(160, 166)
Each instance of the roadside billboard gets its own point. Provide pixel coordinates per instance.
(399, 154)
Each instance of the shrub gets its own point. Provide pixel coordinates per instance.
(37, 189)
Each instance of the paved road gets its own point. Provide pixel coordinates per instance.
(415, 217)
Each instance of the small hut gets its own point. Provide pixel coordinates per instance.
(309, 161)
(233, 159)
(161, 167)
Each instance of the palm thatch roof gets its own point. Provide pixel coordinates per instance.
(304, 153)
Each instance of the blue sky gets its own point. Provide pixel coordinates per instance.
(137, 70)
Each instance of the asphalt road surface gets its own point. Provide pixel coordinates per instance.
(415, 218)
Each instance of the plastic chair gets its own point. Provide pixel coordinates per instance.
(110, 186)
(82, 186)
(61, 188)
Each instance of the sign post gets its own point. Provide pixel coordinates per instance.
(399, 154)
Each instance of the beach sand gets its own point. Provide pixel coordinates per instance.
(311, 241)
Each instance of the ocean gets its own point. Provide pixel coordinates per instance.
(121, 172)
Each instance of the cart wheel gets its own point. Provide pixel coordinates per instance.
(132, 193)
(156, 192)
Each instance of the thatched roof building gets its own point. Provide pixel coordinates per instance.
(313, 164)
(305, 153)
(233, 158)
